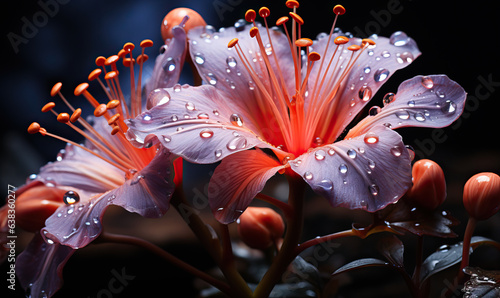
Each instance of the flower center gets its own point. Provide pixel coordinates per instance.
(298, 113)
(118, 152)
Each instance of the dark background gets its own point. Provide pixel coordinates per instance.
(455, 39)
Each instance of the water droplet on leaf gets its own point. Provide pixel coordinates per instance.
(371, 138)
(71, 197)
(199, 59)
(427, 82)
(320, 155)
(308, 175)
(236, 120)
(365, 93)
(381, 75)
(343, 168)
(206, 134)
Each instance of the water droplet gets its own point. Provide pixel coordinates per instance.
(427, 82)
(326, 184)
(239, 142)
(449, 108)
(388, 98)
(370, 52)
(318, 141)
(367, 69)
(371, 138)
(374, 189)
(320, 155)
(308, 175)
(146, 117)
(381, 75)
(403, 114)
(331, 152)
(374, 110)
(218, 153)
(177, 88)
(190, 106)
(396, 151)
(405, 57)
(95, 220)
(399, 39)
(419, 117)
(137, 179)
(199, 58)
(440, 94)
(71, 197)
(159, 97)
(343, 168)
(211, 79)
(231, 62)
(371, 164)
(365, 93)
(169, 65)
(203, 116)
(167, 138)
(363, 203)
(386, 54)
(411, 103)
(216, 112)
(251, 85)
(206, 134)
(236, 120)
(351, 153)
(239, 25)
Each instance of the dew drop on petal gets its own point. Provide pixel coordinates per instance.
(331, 152)
(177, 88)
(71, 197)
(403, 114)
(365, 93)
(381, 75)
(367, 69)
(371, 138)
(218, 153)
(320, 155)
(405, 57)
(326, 184)
(351, 153)
(190, 106)
(419, 117)
(386, 54)
(199, 58)
(399, 39)
(239, 142)
(216, 112)
(236, 120)
(396, 151)
(374, 110)
(411, 103)
(371, 164)
(318, 141)
(449, 108)
(374, 189)
(388, 98)
(206, 134)
(427, 82)
(167, 138)
(231, 61)
(211, 79)
(203, 116)
(146, 117)
(440, 94)
(343, 168)
(308, 175)
(159, 97)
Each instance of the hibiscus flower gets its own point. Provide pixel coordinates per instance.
(291, 99)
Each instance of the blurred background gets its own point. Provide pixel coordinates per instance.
(455, 39)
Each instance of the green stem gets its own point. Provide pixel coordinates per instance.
(292, 237)
(124, 239)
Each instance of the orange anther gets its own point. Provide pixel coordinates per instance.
(47, 107)
(341, 40)
(292, 4)
(368, 41)
(111, 60)
(113, 119)
(112, 104)
(281, 21)
(175, 17)
(122, 53)
(142, 58)
(232, 42)
(303, 42)
(339, 10)
(297, 18)
(63, 117)
(115, 130)
(111, 75)
(264, 12)
(128, 62)
(34, 128)
(147, 43)
(95, 74)
(81, 88)
(254, 31)
(313, 56)
(129, 46)
(76, 115)
(99, 61)
(353, 47)
(56, 89)
(100, 110)
(250, 15)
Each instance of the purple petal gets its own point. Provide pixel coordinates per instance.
(367, 172)
(425, 101)
(168, 65)
(147, 193)
(237, 180)
(372, 69)
(197, 124)
(222, 67)
(39, 267)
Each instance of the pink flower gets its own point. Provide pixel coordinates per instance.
(271, 90)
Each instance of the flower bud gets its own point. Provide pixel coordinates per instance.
(174, 18)
(260, 227)
(482, 195)
(429, 185)
(35, 205)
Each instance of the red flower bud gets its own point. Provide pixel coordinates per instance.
(174, 18)
(482, 195)
(36, 204)
(260, 227)
(429, 185)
